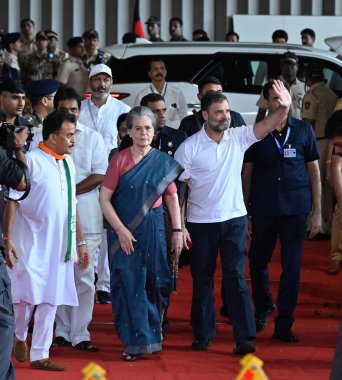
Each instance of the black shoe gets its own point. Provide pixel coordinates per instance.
(103, 297)
(60, 341)
(224, 311)
(261, 317)
(243, 346)
(320, 237)
(201, 345)
(165, 323)
(285, 335)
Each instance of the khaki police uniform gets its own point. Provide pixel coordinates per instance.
(318, 105)
(37, 67)
(73, 73)
(98, 57)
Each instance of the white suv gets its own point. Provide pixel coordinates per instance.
(242, 68)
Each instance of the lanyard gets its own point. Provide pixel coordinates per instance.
(163, 94)
(92, 116)
(280, 147)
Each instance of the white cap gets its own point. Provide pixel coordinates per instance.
(100, 68)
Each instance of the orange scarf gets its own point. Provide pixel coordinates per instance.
(49, 151)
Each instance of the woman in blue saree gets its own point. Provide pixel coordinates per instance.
(131, 201)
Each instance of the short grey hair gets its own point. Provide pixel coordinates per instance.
(138, 112)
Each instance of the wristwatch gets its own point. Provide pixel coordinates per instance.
(81, 242)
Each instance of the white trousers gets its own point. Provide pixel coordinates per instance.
(44, 317)
(72, 321)
(103, 273)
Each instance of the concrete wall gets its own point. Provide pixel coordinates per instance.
(113, 18)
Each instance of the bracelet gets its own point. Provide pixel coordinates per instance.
(117, 229)
(177, 230)
(6, 237)
(81, 242)
(328, 162)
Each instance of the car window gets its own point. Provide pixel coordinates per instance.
(180, 68)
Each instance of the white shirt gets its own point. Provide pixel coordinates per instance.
(90, 157)
(40, 235)
(175, 103)
(213, 172)
(103, 119)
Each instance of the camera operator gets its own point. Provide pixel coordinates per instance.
(13, 176)
(12, 102)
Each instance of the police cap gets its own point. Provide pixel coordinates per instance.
(74, 41)
(91, 33)
(41, 35)
(10, 38)
(43, 87)
(153, 20)
(314, 71)
(51, 34)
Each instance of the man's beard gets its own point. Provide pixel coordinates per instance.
(99, 95)
(218, 126)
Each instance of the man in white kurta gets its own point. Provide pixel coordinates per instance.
(37, 228)
(91, 161)
(101, 112)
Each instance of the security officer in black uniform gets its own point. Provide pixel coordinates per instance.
(193, 123)
(41, 94)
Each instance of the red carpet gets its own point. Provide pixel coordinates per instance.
(317, 317)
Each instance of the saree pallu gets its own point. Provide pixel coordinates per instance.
(141, 281)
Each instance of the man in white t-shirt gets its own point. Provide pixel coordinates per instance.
(216, 215)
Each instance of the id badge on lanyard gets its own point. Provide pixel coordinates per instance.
(287, 152)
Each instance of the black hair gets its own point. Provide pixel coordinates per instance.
(151, 98)
(266, 89)
(22, 22)
(177, 19)
(280, 33)
(204, 35)
(206, 80)
(333, 127)
(212, 97)
(12, 86)
(308, 31)
(121, 118)
(66, 93)
(155, 59)
(232, 33)
(54, 121)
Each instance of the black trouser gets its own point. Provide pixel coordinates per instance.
(265, 231)
(229, 238)
(7, 326)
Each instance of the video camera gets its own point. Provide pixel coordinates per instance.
(7, 131)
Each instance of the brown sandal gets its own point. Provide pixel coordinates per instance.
(86, 345)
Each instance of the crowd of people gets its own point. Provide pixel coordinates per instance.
(121, 192)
